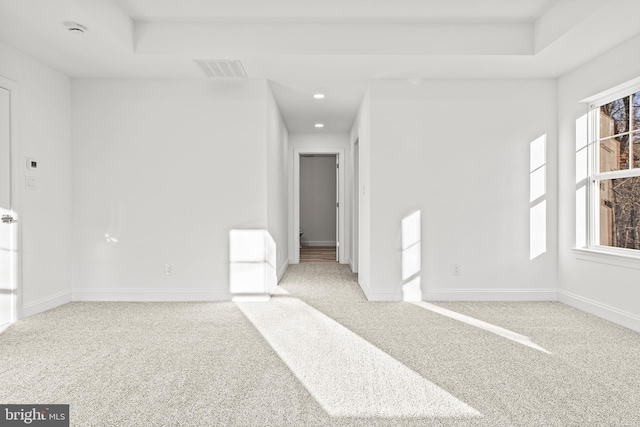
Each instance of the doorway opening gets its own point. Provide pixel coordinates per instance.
(318, 206)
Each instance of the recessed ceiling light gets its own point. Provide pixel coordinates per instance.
(319, 125)
(75, 28)
(318, 95)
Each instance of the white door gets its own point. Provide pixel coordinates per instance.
(7, 228)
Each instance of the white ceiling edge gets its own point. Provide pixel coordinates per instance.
(116, 46)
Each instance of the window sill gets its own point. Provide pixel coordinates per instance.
(605, 257)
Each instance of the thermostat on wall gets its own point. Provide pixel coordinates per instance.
(31, 163)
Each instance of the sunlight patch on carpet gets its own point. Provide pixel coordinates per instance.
(347, 375)
(505, 333)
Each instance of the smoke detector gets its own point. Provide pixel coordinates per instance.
(75, 28)
(222, 68)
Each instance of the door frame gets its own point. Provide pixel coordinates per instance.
(355, 210)
(14, 168)
(295, 228)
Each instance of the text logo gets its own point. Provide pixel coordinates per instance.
(34, 415)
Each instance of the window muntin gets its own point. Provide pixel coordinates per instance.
(615, 174)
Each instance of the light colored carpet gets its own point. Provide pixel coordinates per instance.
(319, 354)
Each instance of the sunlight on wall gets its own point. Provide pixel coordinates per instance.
(505, 333)
(412, 290)
(411, 257)
(347, 375)
(110, 239)
(537, 197)
(7, 268)
(582, 173)
(252, 261)
(538, 231)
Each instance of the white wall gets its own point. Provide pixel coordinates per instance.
(318, 200)
(168, 168)
(458, 151)
(277, 186)
(321, 141)
(361, 133)
(599, 285)
(44, 116)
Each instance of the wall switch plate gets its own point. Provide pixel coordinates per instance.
(168, 269)
(31, 163)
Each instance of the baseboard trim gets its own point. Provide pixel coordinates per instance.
(150, 295)
(381, 296)
(607, 312)
(283, 269)
(46, 303)
(470, 295)
(350, 264)
(318, 243)
(490, 295)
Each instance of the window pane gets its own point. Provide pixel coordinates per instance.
(614, 117)
(636, 149)
(614, 154)
(619, 212)
(636, 111)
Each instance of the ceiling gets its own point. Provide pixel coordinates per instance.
(333, 47)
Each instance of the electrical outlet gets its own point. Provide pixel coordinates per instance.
(30, 183)
(455, 270)
(168, 270)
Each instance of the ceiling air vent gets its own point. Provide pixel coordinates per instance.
(222, 68)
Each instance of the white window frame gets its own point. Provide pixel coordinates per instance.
(594, 178)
